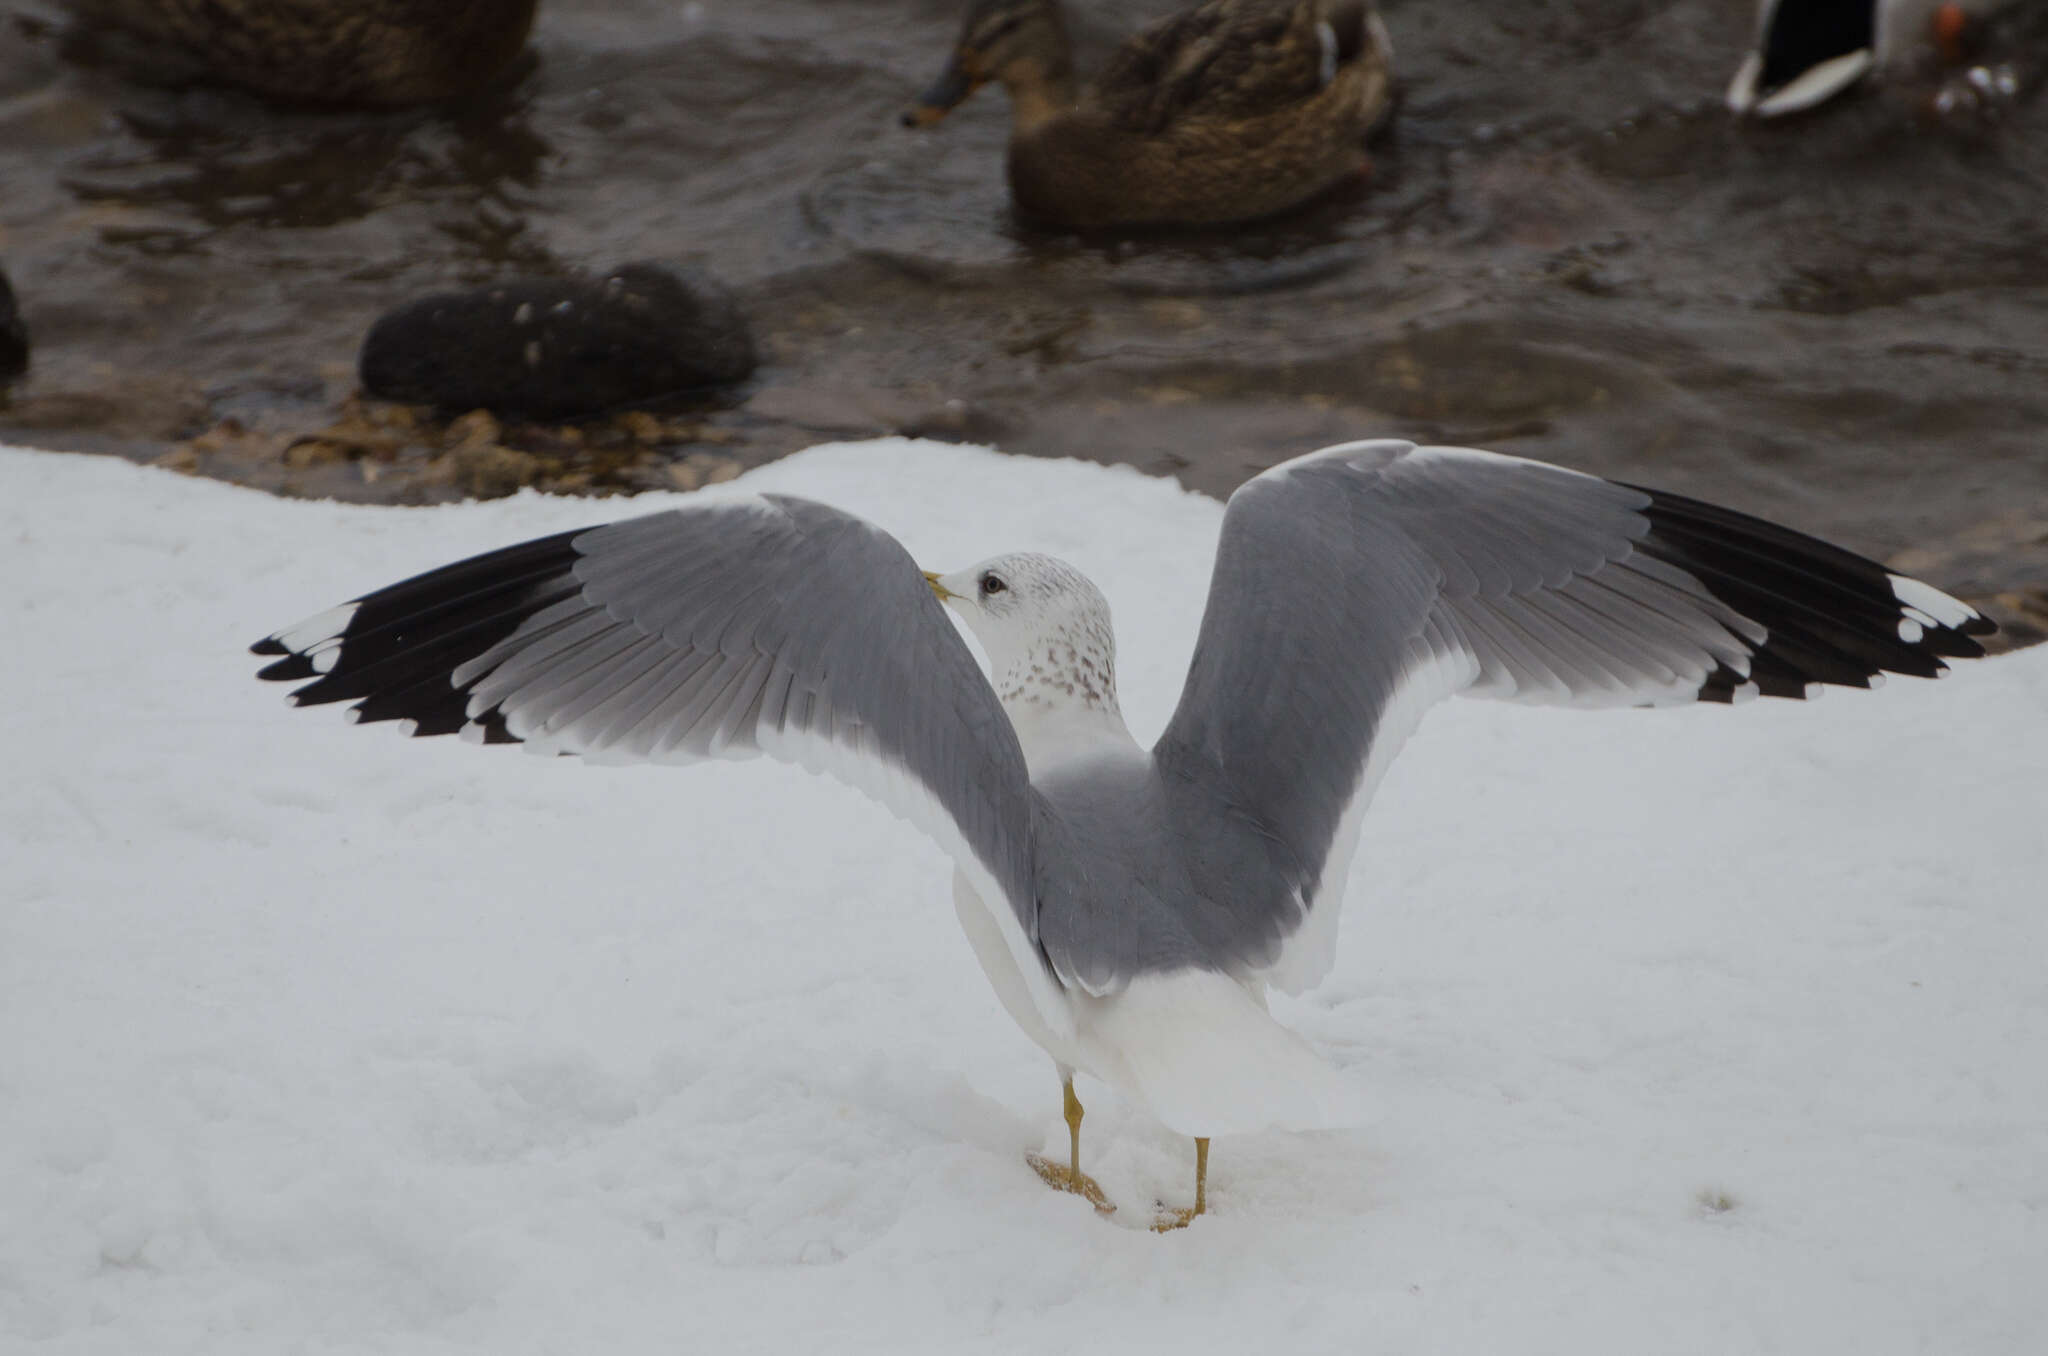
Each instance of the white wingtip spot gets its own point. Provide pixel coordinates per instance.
(1931, 602)
(352, 715)
(1744, 692)
(324, 656)
(408, 727)
(471, 733)
(1876, 681)
(1814, 691)
(1911, 631)
(310, 632)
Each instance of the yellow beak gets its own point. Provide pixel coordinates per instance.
(939, 591)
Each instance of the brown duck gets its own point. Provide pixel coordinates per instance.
(361, 52)
(1231, 110)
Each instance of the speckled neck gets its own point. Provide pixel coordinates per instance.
(1073, 665)
(1060, 694)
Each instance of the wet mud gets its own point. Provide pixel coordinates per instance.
(1567, 250)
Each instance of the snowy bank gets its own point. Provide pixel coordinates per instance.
(1702, 1031)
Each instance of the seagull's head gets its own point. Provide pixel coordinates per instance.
(1039, 620)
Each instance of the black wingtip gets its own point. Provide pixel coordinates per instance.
(1832, 618)
(393, 653)
(289, 669)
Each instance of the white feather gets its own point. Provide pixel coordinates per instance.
(1817, 84)
(1199, 1050)
(1931, 603)
(314, 630)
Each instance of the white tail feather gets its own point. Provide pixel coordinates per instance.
(1207, 1059)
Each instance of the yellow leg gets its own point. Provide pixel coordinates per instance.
(1074, 1113)
(1070, 1177)
(1179, 1219)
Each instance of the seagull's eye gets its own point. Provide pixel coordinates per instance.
(991, 585)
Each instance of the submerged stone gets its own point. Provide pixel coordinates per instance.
(560, 348)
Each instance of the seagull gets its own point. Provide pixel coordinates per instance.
(1131, 907)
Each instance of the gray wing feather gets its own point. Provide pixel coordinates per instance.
(1356, 586)
(720, 630)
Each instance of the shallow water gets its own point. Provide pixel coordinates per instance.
(1568, 250)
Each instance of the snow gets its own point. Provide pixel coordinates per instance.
(1687, 1031)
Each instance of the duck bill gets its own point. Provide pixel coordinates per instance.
(947, 93)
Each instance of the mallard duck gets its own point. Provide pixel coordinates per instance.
(1807, 51)
(1231, 110)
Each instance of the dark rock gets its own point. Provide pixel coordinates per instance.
(560, 348)
(362, 52)
(13, 335)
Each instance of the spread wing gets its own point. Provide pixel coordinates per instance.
(1357, 586)
(720, 630)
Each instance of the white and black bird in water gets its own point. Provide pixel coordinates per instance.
(1808, 51)
(1131, 907)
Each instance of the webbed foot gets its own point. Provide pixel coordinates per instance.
(1168, 1220)
(1062, 1177)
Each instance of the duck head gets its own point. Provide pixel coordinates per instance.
(1020, 43)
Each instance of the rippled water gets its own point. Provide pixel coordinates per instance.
(1568, 250)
